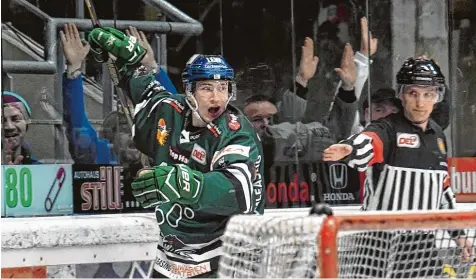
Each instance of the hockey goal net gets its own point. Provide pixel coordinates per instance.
(363, 245)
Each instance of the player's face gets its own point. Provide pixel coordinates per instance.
(212, 97)
(261, 115)
(418, 102)
(382, 109)
(14, 126)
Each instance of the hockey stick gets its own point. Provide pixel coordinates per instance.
(113, 72)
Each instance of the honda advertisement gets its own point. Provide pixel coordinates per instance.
(298, 185)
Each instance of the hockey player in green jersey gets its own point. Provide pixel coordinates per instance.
(208, 161)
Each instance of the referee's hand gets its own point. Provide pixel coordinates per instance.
(468, 249)
(337, 152)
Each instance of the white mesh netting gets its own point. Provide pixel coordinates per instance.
(286, 247)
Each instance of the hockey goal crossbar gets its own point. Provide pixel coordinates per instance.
(367, 244)
(332, 225)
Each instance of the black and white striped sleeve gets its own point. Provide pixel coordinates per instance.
(370, 146)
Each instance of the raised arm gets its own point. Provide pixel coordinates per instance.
(84, 145)
(149, 61)
(343, 110)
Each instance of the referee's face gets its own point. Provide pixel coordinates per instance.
(418, 102)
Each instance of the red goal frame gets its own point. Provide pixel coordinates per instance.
(327, 238)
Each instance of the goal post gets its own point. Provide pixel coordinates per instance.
(436, 221)
(346, 246)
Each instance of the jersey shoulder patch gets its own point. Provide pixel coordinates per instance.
(233, 122)
(176, 104)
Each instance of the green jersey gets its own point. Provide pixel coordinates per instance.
(229, 154)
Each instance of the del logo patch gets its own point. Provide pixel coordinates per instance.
(199, 154)
(408, 140)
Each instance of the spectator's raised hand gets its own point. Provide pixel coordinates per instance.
(148, 60)
(75, 50)
(9, 158)
(364, 42)
(308, 63)
(347, 70)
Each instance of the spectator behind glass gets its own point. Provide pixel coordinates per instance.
(292, 135)
(285, 141)
(260, 110)
(15, 120)
(84, 144)
(383, 103)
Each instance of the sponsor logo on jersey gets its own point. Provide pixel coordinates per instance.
(175, 155)
(173, 244)
(233, 149)
(233, 122)
(175, 104)
(236, 149)
(408, 140)
(338, 175)
(257, 183)
(174, 269)
(195, 137)
(186, 137)
(199, 154)
(441, 146)
(214, 129)
(162, 132)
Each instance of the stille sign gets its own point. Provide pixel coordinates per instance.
(462, 173)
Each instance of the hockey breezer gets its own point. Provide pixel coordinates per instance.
(207, 156)
(404, 156)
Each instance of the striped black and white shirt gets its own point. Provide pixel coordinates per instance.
(406, 167)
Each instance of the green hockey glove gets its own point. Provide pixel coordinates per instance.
(164, 184)
(125, 48)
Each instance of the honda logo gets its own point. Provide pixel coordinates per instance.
(338, 175)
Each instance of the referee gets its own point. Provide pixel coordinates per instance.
(404, 156)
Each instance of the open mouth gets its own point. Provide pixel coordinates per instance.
(214, 111)
(10, 135)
